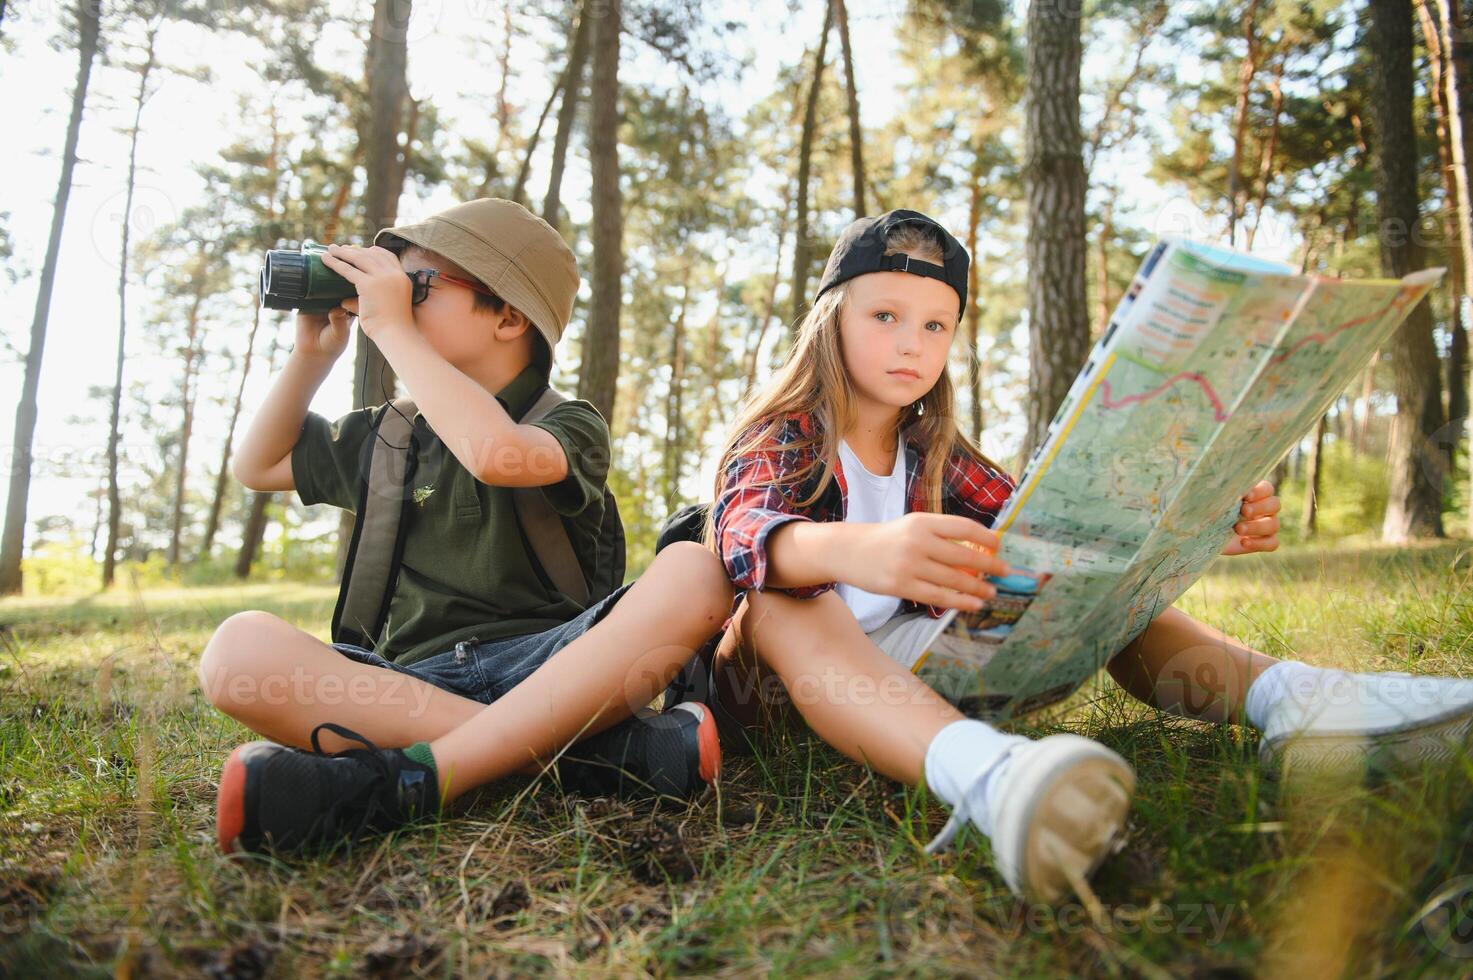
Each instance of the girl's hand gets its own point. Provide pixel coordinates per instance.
(323, 335)
(1258, 522)
(383, 288)
(918, 557)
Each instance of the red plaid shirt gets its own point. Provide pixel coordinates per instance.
(752, 502)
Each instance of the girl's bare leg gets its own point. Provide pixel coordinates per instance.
(1186, 667)
(849, 692)
(602, 677)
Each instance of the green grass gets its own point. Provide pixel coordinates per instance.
(803, 863)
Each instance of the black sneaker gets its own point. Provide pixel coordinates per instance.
(671, 753)
(286, 799)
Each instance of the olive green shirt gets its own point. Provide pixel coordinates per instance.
(466, 569)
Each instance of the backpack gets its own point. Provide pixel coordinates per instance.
(377, 545)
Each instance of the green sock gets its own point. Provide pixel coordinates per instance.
(420, 752)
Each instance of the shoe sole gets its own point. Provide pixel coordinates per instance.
(230, 799)
(1081, 798)
(708, 742)
(1436, 742)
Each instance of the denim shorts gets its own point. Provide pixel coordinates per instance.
(484, 671)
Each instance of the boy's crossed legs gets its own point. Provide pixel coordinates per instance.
(256, 663)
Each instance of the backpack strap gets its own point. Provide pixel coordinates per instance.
(372, 566)
(544, 526)
(377, 546)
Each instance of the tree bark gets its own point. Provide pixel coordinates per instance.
(1444, 102)
(519, 189)
(674, 430)
(1414, 504)
(388, 93)
(255, 530)
(1246, 71)
(13, 540)
(1053, 168)
(856, 138)
(1266, 158)
(1459, 46)
(598, 379)
(188, 392)
(973, 312)
(222, 475)
(803, 246)
(1312, 480)
(115, 410)
(255, 525)
(769, 308)
(572, 84)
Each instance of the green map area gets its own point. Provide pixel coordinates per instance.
(1212, 367)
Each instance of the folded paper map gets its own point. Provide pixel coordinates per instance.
(1213, 365)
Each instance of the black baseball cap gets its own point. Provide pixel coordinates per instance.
(861, 249)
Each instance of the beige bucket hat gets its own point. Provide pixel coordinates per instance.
(516, 254)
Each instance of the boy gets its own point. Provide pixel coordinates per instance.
(467, 307)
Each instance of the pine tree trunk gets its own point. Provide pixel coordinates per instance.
(222, 475)
(973, 311)
(803, 246)
(255, 530)
(1414, 504)
(1312, 480)
(188, 392)
(599, 376)
(1368, 388)
(1460, 58)
(1266, 158)
(1054, 171)
(674, 436)
(388, 92)
(255, 525)
(114, 429)
(13, 540)
(769, 307)
(519, 189)
(1246, 71)
(856, 138)
(567, 112)
(1436, 34)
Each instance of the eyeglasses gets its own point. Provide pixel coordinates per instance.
(420, 288)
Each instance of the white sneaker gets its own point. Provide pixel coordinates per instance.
(1056, 813)
(1344, 722)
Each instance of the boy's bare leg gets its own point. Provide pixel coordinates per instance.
(1184, 666)
(282, 682)
(602, 677)
(853, 695)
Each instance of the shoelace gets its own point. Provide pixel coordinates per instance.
(354, 807)
(962, 812)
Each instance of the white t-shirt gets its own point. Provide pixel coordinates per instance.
(871, 499)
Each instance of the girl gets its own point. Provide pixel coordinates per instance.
(844, 499)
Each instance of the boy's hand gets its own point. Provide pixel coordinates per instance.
(383, 288)
(323, 335)
(918, 557)
(1258, 522)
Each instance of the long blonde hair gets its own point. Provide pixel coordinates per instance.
(813, 380)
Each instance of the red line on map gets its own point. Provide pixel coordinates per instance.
(1322, 337)
(1218, 412)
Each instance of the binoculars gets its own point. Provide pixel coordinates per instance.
(296, 279)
